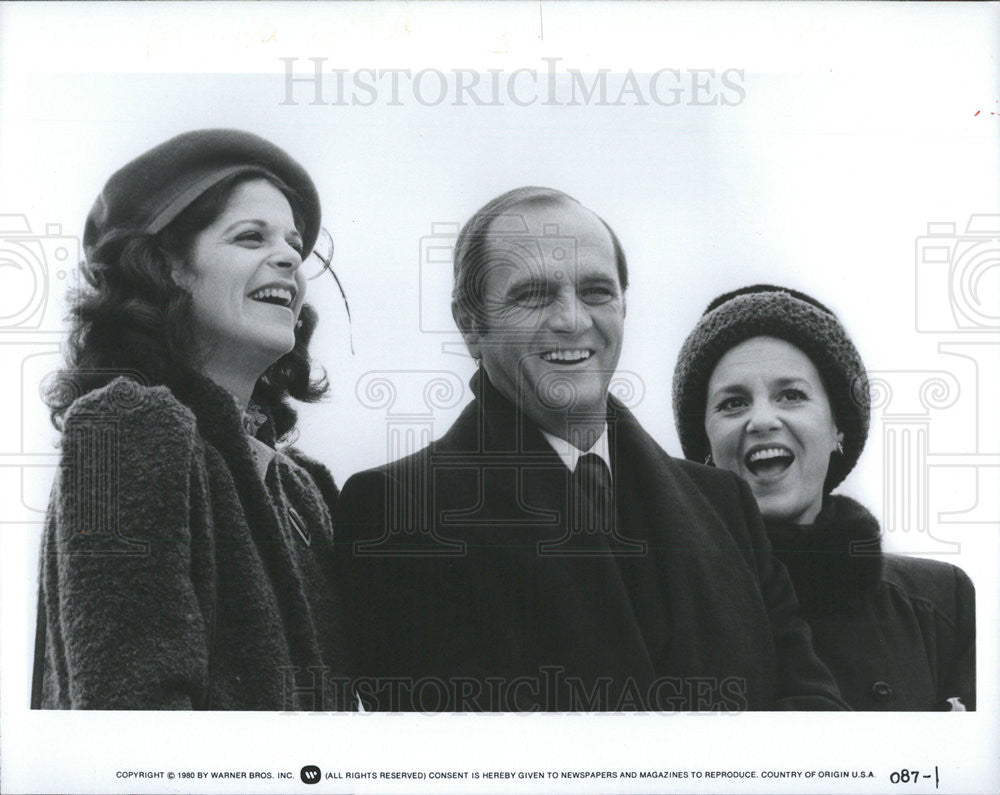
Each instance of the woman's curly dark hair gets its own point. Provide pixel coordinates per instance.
(132, 318)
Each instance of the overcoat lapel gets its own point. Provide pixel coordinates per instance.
(699, 577)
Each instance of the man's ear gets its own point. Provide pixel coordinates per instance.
(469, 331)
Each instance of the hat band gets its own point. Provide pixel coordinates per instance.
(186, 197)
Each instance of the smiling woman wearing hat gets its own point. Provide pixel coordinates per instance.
(185, 560)
(769, 386)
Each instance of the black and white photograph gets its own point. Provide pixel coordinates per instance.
(500, 397)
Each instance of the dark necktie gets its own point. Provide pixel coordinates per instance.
(592, 526)
(593, 500)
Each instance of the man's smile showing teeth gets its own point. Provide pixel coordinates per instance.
(281, 296)
(769, 461)
(567, 357)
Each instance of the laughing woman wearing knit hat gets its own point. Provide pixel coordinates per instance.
(768, 385)
(185, 560)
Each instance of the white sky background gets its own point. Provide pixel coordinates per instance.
(858, 128)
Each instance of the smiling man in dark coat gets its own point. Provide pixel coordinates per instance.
(546, 553)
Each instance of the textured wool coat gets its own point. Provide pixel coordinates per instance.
(898, 633)
(469, 590)
(172, 575)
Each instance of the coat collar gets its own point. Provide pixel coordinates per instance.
(220, 419)
(834, 562)
(502, 427)
(220, 423)
(506, 429)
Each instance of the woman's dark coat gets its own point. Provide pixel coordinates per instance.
(465, 593)
(172, 575)
(898, 633)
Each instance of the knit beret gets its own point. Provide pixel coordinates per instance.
(146, 194)
(767, 310)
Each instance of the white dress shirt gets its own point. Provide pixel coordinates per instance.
(570, 453)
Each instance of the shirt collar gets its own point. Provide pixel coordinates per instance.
(570, 454)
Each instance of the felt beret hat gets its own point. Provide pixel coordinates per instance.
(146, 194)
(767, 310)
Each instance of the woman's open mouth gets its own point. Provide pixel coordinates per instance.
(768, 461)
(279, 296)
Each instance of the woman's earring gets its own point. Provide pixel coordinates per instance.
(840, 446)
(708, 460)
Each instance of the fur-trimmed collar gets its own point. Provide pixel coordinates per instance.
(834, 562)
(218, 414)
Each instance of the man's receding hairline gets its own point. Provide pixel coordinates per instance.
(544, 200)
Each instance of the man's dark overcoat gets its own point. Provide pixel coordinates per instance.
(468, 589)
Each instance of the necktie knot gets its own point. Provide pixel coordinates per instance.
(591, 470)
